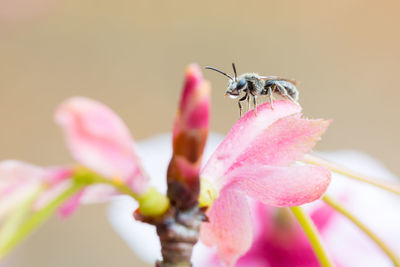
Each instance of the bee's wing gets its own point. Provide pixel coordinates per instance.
(268, 78)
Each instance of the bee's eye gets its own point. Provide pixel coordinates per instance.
(241, 84)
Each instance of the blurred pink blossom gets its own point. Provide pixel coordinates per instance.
(18, 181)
(279, 239)
(98, 139)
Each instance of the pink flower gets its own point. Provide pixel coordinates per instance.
(279, 239)
(18, 181)
(256, 159)
(347, 245)
(98, 140)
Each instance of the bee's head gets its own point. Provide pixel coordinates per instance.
(235, 87)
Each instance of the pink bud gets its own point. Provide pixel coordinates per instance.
(189, 138)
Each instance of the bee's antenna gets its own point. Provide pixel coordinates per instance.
(234, 70)
(217, 70)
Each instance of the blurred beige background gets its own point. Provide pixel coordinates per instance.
(131, 55)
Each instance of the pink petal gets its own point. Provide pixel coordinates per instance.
(284, 142)
(242, 135)
(98, 193)
(279, 139)
(99, 140)
(281, 186)
(51, 193)
(58, 174)
(15, 172)
(229, 226)
(322, 216)
(281, 241)
(67, 208)
(18, 181)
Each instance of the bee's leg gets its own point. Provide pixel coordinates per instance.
(240, 105)
(271, 100)
(255, 104)
(294, 101)
(240, 109)
(284, 92)
(248, 102)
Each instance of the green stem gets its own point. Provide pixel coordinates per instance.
(151, 203)
(16, 218)
(394, 188)
(37, 219)
(338, 207)
(312, 233)
(124, 189)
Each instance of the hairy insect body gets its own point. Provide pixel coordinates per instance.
(256, 85)
(253, 85)
(290, 88)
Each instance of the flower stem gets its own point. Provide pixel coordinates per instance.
(394, 188)
(37, 219)
(14, 221)
(151, 203)
(313, 236)
(338, 207)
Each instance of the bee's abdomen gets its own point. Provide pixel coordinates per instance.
(290, 87)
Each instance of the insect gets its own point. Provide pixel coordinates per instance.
(254, 85)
